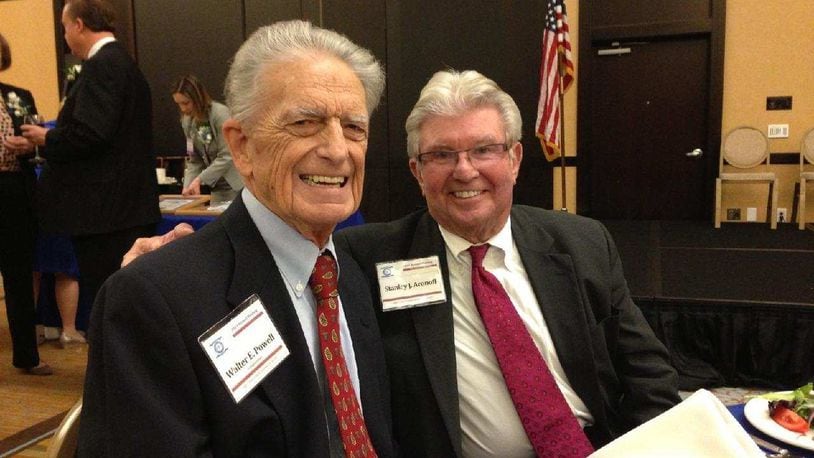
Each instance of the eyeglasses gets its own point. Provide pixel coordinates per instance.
(477, 155)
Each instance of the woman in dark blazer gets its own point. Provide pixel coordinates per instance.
(17, 224)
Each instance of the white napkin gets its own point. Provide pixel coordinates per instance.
(700, 426)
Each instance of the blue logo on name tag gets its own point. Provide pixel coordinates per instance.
(218, 347)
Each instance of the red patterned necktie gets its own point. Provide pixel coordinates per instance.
(551, 427)
(355, 439)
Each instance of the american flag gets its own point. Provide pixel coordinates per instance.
(549, 111)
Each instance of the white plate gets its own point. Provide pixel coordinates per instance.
(757, 412)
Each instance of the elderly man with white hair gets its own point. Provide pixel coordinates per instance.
(244, 339)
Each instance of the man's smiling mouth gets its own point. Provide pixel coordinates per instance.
(324, 180)
(466, 194)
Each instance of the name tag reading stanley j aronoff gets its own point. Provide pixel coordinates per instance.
(410, 283)
(244, 347)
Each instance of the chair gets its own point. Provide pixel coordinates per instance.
(63, 444)
(746, 148)
(806, 174)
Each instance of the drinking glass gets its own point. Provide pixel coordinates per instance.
(37, 120)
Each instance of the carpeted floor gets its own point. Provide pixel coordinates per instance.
(32, 406)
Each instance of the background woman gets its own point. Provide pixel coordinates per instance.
(209, 161)
(17, 224)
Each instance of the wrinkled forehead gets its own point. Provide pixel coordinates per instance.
(472, 126)
(316, 84)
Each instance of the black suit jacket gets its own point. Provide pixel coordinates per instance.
(607, 349)
(100, 175)
(150, 389)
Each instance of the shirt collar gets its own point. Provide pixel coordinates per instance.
(457, 244)
(98, 45)
(294, 254)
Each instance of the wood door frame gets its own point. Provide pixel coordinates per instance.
(714, 27)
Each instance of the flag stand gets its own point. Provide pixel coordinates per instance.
(563, 202)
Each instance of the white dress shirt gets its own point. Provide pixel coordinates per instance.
(490, 425)
(98, 45)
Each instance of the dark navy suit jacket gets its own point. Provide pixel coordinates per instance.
(607, 349)
(150, 389)
(100, 176)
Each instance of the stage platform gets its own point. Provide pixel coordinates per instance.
(735, 305)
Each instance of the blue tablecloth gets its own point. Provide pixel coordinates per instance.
(170, 221)
(46, 306)
(737, 412)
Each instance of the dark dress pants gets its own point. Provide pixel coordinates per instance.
(100, 255)
(17, 237)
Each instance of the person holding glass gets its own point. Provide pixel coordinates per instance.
(209, 161)
(18, 226)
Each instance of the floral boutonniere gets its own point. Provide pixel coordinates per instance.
(72, 72)
(205, 134)
(15, 105)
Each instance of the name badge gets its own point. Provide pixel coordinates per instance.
(244, 347)
(410, 283)
(190, 147)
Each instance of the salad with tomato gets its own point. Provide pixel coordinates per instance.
(793, 410)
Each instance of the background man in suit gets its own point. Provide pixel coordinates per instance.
(562, 275)
(301, 99)
(100, 185)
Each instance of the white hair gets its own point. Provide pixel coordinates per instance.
(286, 40)
(452, 93)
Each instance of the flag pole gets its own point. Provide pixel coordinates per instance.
(560, 71)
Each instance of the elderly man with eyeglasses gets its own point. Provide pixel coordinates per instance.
(509, 330)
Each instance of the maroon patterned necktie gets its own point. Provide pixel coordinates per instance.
(323, 282)
(551, 427)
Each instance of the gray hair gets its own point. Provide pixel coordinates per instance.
(452, 93)
(286, 40)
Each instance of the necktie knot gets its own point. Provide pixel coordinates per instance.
(478, 252)
(323, 277)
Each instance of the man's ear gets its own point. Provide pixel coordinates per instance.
(238, 145)
(516, 153)
(415, 168)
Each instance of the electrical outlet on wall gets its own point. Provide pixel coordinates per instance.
(733, 214)
(782, 215)
(751, 214)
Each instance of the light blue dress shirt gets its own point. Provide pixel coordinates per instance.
(295, 257)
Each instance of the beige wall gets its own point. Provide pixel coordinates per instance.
(570, 101)
(769, 49)
(28, 25)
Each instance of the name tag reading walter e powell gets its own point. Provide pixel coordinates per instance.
(410, 283)
(244, 347)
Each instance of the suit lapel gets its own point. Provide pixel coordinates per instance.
(357, 307)
(435, 333)
(256, 272)
(553, 280)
